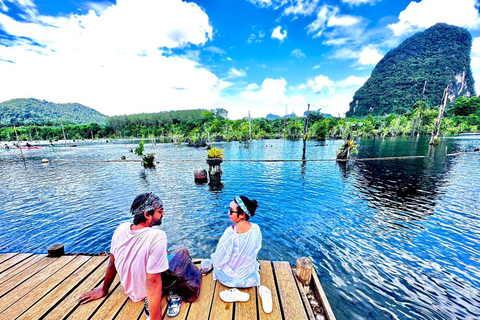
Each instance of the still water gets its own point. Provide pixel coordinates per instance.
(391, 239)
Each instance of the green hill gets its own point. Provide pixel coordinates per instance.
(34, 111)
(439, 55)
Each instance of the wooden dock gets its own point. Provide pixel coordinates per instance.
(34, 286)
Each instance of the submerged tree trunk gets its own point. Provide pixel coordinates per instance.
(347, 148)
(414, 125)
(305, 129)
(441, 109)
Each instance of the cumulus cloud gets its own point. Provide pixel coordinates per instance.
(297, 53)
(112, 61)
(369, 56)
(421, 15)
(271, 92)
(279, 34)
(252, 86)
(320, 83)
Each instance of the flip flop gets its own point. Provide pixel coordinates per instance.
(174, 302)
(266, 296)
(234, 295)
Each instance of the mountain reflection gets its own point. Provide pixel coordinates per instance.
(401, 191)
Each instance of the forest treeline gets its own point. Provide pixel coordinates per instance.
(213, 125)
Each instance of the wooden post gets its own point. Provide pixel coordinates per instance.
(413, 128)
(63, 130)
(249, 125)
(305, 129)
(18, 143)
(304, 270)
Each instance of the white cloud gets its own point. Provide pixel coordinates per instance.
(252, 86)
(256, 37)
(328, 16)
(98, 7)
(369, 56)
(352, 81)
(297, 53)
(234, 73)
(320, 83)
(271, 92)
(111, 62)
(359, 2)
(301, 7)
(279, 34)
(424, 14)
(475, 63)
(217, 50)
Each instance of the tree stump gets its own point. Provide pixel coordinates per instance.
(57, 250)
(304, 270)
(215, 171)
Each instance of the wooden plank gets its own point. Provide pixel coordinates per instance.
(267, 279)
(21, 305)
(71, 301)
(112, 305)
(5, 256)
(221, 310)
(290, 300)
(322, 297)
(85, 311)
(200, 309)
(19, 267)
(13, 261)
(57, 294)
(34, 276)
(306, 303)
(131, 310)
(247, 310)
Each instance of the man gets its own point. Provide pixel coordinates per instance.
(139, 254)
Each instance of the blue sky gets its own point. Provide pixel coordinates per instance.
(262, 56)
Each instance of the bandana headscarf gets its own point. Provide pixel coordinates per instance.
(242, 205)
(153, 202)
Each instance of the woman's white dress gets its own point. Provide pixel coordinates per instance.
(235, 261)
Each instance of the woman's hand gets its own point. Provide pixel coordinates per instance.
(95, 294)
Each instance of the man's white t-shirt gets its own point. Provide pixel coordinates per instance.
(138, 252)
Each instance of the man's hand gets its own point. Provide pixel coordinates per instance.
(101, 292)
(95, 294)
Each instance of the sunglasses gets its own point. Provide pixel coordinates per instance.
(230, 211)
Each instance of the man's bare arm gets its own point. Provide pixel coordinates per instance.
(154, 295)
(101, 292)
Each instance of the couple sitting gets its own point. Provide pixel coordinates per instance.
(139, 254)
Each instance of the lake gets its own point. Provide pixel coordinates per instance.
(391, 239)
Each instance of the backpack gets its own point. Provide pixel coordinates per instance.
(183, 277)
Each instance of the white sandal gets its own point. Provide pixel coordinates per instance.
(266, 296)
(234, 295)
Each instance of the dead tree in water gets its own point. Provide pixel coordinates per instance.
(347, 149)
(434, 140)
(305, 129)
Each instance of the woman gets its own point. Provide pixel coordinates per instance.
(235, 260)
